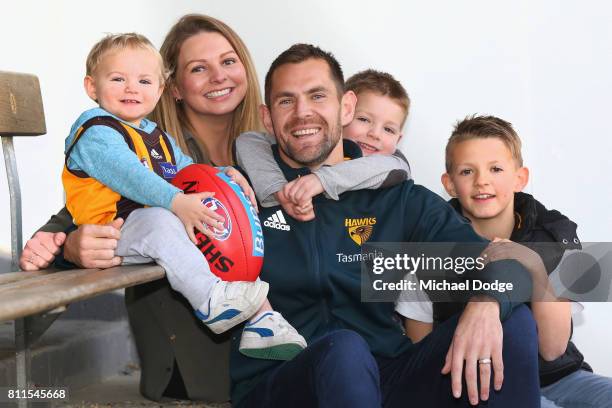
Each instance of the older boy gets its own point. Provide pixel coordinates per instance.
(485, 175)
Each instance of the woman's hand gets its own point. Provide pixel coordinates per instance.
(239, 179)
(40, 250)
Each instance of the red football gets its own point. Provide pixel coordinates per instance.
(236, 252)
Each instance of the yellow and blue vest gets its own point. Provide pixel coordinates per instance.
(91, 202)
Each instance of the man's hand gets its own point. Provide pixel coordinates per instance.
(300, 213)
(193, 214)
(478, 336)
(93, 246)
(40, 250)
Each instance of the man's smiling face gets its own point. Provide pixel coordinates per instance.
(306, 113)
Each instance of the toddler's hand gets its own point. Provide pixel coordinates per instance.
(239, 179)
(194, 214)
(301, 190)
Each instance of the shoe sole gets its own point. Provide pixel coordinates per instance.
(224, 325)
(282, 352)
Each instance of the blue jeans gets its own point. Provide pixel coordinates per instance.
(581, 389)
(338, 370)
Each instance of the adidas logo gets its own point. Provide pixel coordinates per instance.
(155, 154)
(277, 221)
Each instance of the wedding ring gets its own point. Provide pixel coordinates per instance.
(484, 361)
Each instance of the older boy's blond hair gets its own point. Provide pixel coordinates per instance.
(380, 83)
(483, 127)
(115, 42)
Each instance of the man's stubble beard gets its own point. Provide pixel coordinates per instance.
(324, 149)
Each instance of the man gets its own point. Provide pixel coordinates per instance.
(357, 355)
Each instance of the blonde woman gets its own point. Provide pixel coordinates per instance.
(213, 94)
(211, 97)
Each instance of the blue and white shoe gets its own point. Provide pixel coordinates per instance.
(231, 303)
(269, 336)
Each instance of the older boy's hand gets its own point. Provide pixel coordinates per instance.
(478, 336)
(40, 250)
(93, 246)
(500, 249)
(300, 213)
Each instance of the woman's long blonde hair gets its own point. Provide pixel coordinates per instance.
(171, 116)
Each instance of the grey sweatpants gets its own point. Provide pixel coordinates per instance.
(156, 235)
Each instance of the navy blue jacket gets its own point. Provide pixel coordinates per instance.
(318, 290)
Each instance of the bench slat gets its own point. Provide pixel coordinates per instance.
(17, 276)
(46, 292)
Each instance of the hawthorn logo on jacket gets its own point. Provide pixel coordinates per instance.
(360, 229)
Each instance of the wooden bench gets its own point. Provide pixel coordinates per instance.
(30, 293)
(35, 299)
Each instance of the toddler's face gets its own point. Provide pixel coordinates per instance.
(127, 83)
(484, 178)
(376, 126)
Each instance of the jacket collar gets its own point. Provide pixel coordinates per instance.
(531, 215)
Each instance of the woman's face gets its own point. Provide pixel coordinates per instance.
(210, 78)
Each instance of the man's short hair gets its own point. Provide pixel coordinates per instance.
(380, 83)
(302, 52)
(483, 127)
(113, 42)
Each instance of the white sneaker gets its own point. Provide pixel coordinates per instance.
(231, 303)
(271, 337)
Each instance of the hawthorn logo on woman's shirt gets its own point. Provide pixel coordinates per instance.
(360, 229)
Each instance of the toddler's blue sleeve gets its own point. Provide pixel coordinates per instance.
(103, 154)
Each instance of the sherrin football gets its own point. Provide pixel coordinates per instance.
(236, 251)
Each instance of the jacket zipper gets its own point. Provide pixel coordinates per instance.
(318, 270)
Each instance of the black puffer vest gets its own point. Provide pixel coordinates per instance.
(536, 224)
